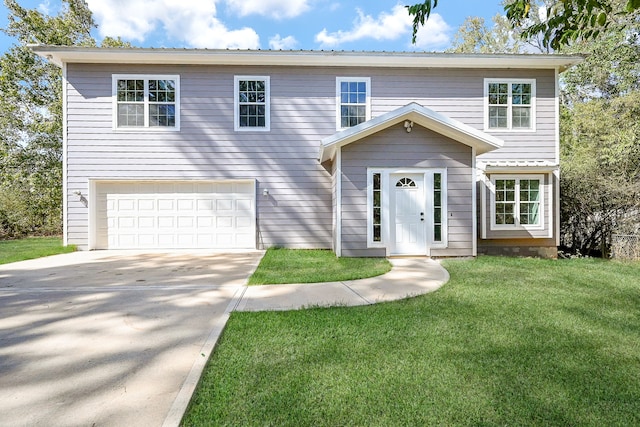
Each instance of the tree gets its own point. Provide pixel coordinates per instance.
(31, 120)
(474, 36)
(566, 20)
(600, 167)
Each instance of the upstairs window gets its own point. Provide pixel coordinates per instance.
(353, 96)
(510, 104)
(252, 103)
(146, 102)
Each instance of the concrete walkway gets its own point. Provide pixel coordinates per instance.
(408, 277)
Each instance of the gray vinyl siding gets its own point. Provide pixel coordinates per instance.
(395, 148)
(299, 210)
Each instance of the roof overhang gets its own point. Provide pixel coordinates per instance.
(518, 166)
(423, 116)
(75, 54)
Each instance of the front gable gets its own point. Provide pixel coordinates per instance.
(411, 114)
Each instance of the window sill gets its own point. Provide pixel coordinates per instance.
(146, 129)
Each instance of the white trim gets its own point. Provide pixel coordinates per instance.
(236, 104)
(428, 189)
(444, 243)
(370, 242)
(339, 80)
(544, 188)
(339, 203)
(555, 185)
(65, 140)
(509, 81)
(474, 204)
(93, 214)
(423, 116)
(93, 200)
(483, 208)
(87, 55)
(146, 78)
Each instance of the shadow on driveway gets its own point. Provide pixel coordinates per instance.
(107, 338)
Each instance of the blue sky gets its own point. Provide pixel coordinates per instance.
(272, 24)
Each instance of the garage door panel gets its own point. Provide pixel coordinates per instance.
(175, 215)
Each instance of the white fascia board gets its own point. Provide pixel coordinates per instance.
(520, 168)
(75, 54)
(454, 129)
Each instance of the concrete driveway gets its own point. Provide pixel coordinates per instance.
(108, 338)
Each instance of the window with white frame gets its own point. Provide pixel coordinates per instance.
(517, 201)
(146, 101)
(510, 104)
(437, 207)
(252, 98)
(353, 96)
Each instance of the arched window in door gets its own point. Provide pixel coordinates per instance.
(405, 182)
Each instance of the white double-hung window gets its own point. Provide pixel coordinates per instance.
(353, 101)
(517, 201)
(510, 104)
(251, 103)
(146, 101)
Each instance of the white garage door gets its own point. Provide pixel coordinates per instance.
(176, 215)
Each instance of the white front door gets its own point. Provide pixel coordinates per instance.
(408, 231)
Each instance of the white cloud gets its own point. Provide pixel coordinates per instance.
(45, 7)
(278, 43)
(278, 9)
(388, 26)
(435, 33)
(192, 22)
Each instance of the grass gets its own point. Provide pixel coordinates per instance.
(30, 248)
(506, 342)
(281, 265)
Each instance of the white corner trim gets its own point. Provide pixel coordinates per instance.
(557, 115)
(65, 139)
(555, 185)
(93, 214)
(474, 204)
(339, 203)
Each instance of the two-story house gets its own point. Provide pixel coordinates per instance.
(367, 153)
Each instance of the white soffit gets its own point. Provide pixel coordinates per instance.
(423, 116)
(511, 166)
(75, 54)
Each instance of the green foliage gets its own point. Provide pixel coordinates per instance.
(611, 66)
(420, 13)
(474, 36)
(31, 123)
(281, 265)
(507, 342)
(567, 21)
(600, 164)
(31, 119)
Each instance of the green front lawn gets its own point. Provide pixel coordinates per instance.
(281, 265)
(506, 342)
(30, 248)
